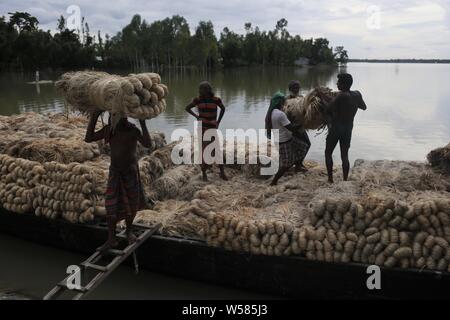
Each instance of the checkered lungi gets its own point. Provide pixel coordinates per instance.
(292, 151)
(124, 194)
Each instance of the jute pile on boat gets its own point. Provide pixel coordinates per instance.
(51, 189)
(440, 158)
(377, 217)
(392, 229)
(56, 137)
(309, 112)
(140, 96)
(47, 168)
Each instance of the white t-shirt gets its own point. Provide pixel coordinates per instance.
(279, 121)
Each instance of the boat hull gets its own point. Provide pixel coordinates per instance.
(292, 277)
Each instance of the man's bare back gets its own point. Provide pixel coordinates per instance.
(344, 107)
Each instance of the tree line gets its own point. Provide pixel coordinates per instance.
(160, 44)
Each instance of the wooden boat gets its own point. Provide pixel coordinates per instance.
(292, 277)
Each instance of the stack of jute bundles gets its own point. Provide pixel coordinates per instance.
(440, 158)
(70, 191)
(310, 112)
(140, 96)
(379, 231)
(266, 236)
(52, 189)
(373, 230)
(18, 179)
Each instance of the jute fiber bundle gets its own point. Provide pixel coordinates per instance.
(176, 219)
(53, 149)
(440, 158)
(293, 108)
(309, 112)
(57, 137)
(380, 232)
(51, 189)
(18, 178)
(140, 96)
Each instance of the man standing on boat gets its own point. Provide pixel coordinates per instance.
(124, 195)
(342, 110)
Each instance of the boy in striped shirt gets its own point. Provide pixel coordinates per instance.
(207, 105)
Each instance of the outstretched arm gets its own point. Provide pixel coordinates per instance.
(222, 112)
(362, 104)
(189, 108)
(144, 138)
(91, 135)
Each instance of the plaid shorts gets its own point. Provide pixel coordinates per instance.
(292, 151)
(124, 194)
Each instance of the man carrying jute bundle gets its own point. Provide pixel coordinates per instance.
(124, 195)
(342, 110)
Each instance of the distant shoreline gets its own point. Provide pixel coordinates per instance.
(442, 61)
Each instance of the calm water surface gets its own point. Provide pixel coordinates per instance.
(408, 104)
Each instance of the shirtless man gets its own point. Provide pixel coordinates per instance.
(342, 110)
(124, 195)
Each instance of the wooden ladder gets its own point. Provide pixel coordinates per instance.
(118, 256)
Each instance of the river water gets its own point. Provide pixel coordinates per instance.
(408, 104)
(408, 115)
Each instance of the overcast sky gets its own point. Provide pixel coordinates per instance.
(368, 29)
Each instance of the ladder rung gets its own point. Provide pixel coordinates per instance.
(64, 285)
(116, 252)
(95, 266)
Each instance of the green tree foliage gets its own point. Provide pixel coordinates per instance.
(160, 44)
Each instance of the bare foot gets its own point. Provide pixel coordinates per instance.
(300, 169)
(224, 177)
(109, 244)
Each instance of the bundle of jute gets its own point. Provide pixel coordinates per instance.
(175, 219)
(53, 149)
(379, 231)
(51, 189)
(57, 137)
(309, 112)
(267, 237)
(405, 176)
(169, 185)
(18, 178)
(293, 108)
(440, 158)
(140, 96)
(69, 191)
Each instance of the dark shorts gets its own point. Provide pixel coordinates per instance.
(341, 134)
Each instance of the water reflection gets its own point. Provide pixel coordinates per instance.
(407, 114)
